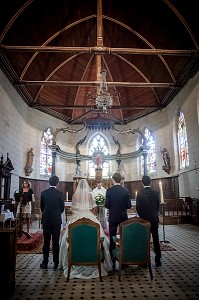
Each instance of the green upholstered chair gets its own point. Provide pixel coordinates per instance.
(133, 244)
(85, 245)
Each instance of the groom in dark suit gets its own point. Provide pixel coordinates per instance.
(147, 206)
(52, 206)
(117, 201)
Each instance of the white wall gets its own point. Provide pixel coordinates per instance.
(187, 100)
(22, 127)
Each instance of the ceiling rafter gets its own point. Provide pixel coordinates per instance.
(149, 53)
(99, 50)
(38, 105)
(96, 83)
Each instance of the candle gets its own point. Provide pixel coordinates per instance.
(161, 192)
(66, 196)
(136, 194)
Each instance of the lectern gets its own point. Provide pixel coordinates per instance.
(21, 198)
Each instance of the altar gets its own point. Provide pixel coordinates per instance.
(132, 211)
(102, 215)
(4, 216)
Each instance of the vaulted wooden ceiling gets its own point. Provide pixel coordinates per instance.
(53, 52)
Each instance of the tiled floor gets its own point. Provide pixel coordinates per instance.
(178, 278)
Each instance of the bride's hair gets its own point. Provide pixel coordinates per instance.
(83, 196)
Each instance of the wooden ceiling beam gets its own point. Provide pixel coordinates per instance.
(96, 84)
(98, 50)
(93, 108)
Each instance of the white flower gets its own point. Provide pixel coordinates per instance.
(100, 199)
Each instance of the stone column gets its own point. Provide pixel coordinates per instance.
(54, 154)
(145, 162)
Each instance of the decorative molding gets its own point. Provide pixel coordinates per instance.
(72, 156)
(80, 157)
(67, 129)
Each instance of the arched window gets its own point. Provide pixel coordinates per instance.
(98, 144)
(46, 153)
(182, 142)
(151, 157)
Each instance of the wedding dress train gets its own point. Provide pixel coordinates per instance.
(83, 272)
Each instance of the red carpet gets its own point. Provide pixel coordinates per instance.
(32, 245)
(35, 243)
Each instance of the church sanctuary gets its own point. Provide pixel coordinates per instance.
(89, 89)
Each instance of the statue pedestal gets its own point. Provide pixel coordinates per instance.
(98, 174)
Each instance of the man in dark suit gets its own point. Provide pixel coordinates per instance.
(52, 206)
(147, 206)
(117, 202)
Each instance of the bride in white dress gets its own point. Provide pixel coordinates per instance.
(82, 205)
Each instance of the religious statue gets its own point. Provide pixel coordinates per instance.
(28, 168)
(98, 160)
(166, 159)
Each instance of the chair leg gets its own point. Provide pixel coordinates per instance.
(99, 269)
(150, 271)
(114, 262)
(120, 271)
(69, 269)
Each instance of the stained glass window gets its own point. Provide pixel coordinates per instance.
(182, 142)
(151, 157)
(46, 153)
(98, 145)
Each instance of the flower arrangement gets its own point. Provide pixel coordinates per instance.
(100, 199)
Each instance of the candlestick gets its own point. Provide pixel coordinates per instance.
(66, 196)
(136, 194)
(161, 192)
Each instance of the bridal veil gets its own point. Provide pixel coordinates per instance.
(83, 196)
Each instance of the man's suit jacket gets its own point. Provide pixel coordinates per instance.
(147, 205)
(117, 201)
(52, 206)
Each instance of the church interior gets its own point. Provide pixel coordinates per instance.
(87, 89)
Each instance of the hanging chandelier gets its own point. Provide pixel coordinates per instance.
(103, 99)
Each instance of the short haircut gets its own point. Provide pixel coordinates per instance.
(54, 180)
(146, 180)
(117, 177)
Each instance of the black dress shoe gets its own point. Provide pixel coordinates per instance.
(124, 266)
(158, 264)
(43, 266)
(28, 236)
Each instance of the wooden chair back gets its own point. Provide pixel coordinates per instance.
(84, 244)
(134, 244)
